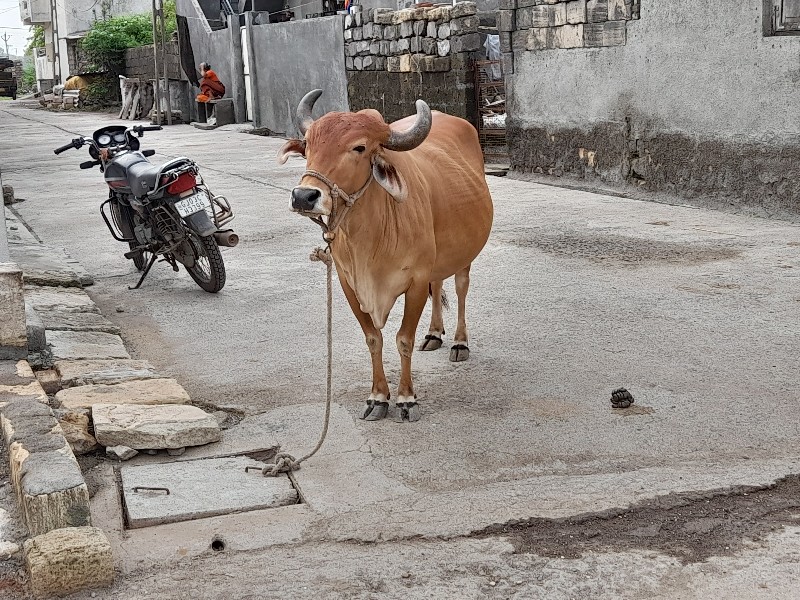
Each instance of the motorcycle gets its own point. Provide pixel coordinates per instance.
(165, 210)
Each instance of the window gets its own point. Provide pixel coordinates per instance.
(781, 17)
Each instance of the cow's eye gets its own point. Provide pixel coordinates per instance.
(359, 149)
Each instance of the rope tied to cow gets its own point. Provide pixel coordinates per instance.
(285, 462)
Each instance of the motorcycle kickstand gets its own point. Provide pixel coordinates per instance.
(145, 272)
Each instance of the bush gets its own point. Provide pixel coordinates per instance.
(28, 83)
(107, 40)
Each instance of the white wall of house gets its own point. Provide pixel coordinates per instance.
(67, 19)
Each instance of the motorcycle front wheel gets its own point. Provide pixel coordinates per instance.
(208, 270)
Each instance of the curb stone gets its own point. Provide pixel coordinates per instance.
(84, 362)
(68, 560)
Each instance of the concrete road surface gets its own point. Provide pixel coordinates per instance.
(576, 294)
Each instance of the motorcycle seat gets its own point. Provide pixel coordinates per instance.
(143, 176)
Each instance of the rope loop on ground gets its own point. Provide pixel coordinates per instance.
(285, 462)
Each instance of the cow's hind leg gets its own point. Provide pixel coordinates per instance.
(460, 350)
(433, 341)
(407, 407)
(377, 406)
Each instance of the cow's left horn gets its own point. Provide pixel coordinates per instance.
(413, 137)
(304, 118)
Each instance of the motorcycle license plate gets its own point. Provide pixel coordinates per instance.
(192, 204)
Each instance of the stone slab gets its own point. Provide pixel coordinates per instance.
(13, 332)
(44, 299)
(48, 482)
(81, 321)
(68, 560)
(15, 372)
(75, 426)
(85, 345)
(84, 372)
(32, 389)
(43, 266)
(200, 488)
(148, 391)
(153, 427)
(37, 342)
(49, 380)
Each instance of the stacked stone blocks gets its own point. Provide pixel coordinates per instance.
(534, 25)
(412, 40)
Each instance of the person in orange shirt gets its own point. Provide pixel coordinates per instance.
(211, 88)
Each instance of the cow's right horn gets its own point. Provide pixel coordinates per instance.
(416, 134)
(304, 118)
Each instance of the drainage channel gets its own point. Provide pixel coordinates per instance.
(192, 489)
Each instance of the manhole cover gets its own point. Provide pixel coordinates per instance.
(194, 489)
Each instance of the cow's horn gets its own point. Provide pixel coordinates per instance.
(413, 137)
(304, 118)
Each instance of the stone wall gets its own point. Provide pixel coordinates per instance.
(534, 25)
(420, 40)
(139, 62)
(394, 58)
(693, 101)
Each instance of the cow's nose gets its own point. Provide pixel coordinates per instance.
(305, 199)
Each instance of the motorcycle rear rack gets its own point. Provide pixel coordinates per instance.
(221, 211)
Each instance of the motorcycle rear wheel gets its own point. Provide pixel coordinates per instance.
(208, 270)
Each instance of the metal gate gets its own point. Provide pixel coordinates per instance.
(490, 93)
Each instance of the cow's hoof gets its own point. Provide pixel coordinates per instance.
(374, 411)
(407, 411)
(459, 353)
(432, 342)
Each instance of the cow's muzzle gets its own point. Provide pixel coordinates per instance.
(306, 199)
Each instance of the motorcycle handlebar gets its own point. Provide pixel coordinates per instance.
(89, 164)
(73, 144)
(139, 129)
(148, 152)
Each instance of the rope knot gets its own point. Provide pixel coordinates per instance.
(322, 255)
(284, 462)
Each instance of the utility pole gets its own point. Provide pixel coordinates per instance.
(5, 38)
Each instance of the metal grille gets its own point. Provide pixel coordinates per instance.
(490, 92)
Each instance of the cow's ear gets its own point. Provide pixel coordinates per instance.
(389, 178)
(291, 148)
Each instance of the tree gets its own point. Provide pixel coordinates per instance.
(107, 40)
(36, 40)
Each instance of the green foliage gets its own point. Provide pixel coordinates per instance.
(103, 90)
(28, 83)
(107, 40)
(36, 40)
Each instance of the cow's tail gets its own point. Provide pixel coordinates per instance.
(445, 301)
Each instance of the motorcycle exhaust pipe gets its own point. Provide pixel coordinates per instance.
(226, 238)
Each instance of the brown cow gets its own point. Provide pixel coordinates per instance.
(408, 207)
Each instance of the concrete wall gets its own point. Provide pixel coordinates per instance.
(695, 102)
(292, 59)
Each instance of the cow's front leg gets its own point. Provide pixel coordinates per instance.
(407, 407)
(460, 350)
(377, 406)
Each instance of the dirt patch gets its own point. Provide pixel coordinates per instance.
(618, 249)
(691, 527)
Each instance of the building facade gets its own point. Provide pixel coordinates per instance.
(65, 22)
